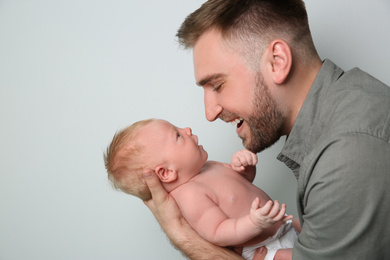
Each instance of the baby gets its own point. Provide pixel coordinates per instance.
(218, 200)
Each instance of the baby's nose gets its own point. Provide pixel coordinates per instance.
(188, 131)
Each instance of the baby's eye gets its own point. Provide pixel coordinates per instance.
(178, 135)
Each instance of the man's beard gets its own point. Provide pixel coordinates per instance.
(266, 122)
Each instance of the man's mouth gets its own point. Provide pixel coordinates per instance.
(237, 122)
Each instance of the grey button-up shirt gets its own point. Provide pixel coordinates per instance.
(339, 152)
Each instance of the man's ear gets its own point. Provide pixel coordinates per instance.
(165, 174)
(280, 58)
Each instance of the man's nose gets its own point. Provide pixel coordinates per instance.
(212, 108)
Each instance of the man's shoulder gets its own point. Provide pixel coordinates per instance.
(357, 102)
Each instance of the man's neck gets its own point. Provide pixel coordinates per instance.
(296, 92)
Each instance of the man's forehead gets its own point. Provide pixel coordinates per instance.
(213, 60)
(206, 49)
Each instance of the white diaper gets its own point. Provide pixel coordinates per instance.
(284, 238)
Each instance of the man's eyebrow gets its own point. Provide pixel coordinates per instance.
(209, 78)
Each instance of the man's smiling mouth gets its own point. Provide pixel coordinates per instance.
(237, 122)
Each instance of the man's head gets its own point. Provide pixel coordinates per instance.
(242, 50)
(248, 26)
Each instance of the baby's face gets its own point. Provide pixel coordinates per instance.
(177, 147)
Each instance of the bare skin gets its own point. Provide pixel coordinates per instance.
(218, 200)
(227, 92)
(170, 218)
(216, 203)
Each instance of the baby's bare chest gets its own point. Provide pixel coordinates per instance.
(230, 191)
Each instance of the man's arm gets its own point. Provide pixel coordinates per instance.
(179, 232)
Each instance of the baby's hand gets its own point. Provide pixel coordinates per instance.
(243, 158)
(268, 215)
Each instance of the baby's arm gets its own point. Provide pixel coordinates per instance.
(205, 216)
(244, 162)
(268, 215)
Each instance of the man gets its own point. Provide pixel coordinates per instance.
(258, 66)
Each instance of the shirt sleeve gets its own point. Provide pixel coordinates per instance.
(343, 198)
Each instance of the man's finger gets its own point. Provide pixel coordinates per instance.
(260, 253)
(162, 205)
(158, 192)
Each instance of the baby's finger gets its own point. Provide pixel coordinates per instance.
(235, 161)
(287, 218)
(281, 213)
(250, 158)
(275, 209)
(238, 168)
(256, 203)
(266, 208)
(254, 159)
(247, 159)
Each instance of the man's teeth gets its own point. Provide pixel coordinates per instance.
(236, 121)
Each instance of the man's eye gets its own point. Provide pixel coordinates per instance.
(218, 88)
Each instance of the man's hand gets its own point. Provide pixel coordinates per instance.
(260, 253)
(162, 205)
(281, 254)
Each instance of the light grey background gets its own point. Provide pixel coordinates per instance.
(73, 72)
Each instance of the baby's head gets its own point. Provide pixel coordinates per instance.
(155, 145)
(124, 163)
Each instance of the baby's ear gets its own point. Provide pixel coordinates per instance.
(166, 174)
